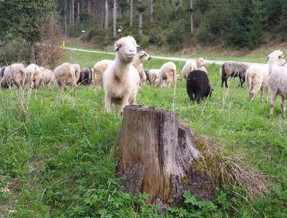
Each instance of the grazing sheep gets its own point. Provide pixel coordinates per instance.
(277, 81)
(98, 71)
(86, 76)
(166, 75)
(232, 69)
(2, 69)
(67, 74)
(33, 75)
(14, 74)
(256, 80)
(187, 68)
(190, 65)
(137, 62)
(152, 75)
(197, 85)
(121, 79)
(48, 77)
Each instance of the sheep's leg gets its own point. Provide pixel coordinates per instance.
(108, 103)
(125, 102)
(283, 106)
(273, 101)
(251, 96)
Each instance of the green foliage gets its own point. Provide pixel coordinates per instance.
(14, 51)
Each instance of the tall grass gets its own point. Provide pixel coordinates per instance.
(57, 150)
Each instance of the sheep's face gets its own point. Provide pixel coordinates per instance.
(144, 56)
(200, 62)
(126, 49)
(276, 58)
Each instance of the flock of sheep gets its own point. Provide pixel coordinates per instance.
(123, 77)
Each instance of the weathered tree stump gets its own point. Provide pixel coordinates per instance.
(157, 155)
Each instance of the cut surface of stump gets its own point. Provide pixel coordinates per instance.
(156, 155)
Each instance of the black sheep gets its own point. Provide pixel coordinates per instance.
(197, 85)
(85, 76)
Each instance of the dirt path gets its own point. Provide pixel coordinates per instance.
(159, 57)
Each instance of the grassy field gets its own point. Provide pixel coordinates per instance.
(57, 151)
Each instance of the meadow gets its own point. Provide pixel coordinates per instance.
(57, 150)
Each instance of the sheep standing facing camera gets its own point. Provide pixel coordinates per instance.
(121, 79)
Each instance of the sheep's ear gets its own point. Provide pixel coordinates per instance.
(138, 46)
(117, 46)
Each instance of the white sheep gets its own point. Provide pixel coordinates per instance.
(256, 80)
(277, 81)
(191, 65)
(14, 74)
(138, 63)
(121, 79)
(98, 71)
(48, 77)
(167, 75)
(152, 75)
(67, 74)
(33, 75)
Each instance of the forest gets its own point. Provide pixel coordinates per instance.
(172, 25)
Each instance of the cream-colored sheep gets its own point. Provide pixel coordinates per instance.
(167, 75)
(277, 81)
(200, 64)
(48, 77)
(98, 71)
(121, 79)
(67, 74)
(153, 75)
(33, 75)
(14, 74)
(191, 65)
(138, 63)
(256, 80)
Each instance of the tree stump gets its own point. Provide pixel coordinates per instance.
(157, 155)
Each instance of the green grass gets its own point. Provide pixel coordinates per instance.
(57, 151)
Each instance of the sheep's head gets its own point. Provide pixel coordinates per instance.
(143, 56)
(126, 48)
(200, 62)
(276, 58)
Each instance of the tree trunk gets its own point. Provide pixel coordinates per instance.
(65, 18)
(151, 10)
(191, 18)
(78, 12)
(156, 156)
(140, 20)
(115, 19)
(106, 14)
(32, 54)
(72, 12)
(89, 7)
(131, 13)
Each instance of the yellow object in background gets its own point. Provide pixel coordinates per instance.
(64, 45)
